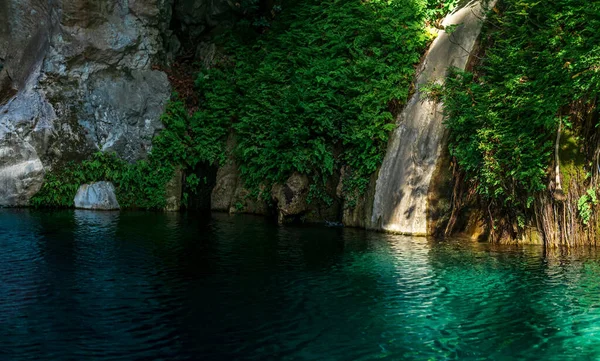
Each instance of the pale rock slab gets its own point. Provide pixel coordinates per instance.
(400, 204)
(97, 196)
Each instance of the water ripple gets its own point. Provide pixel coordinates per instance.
(78, 285)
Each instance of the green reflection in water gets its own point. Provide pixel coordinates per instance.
(98, 286)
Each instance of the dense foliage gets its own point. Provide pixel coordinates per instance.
(318, 90)
(312, 91)
(138, 185)
(185, 142)
(540, 58)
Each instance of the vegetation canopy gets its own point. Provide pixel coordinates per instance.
(312, 91)
(541, 58)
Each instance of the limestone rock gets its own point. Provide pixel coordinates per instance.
(357, 213)
(25, 123)
(291, 196)
(229, 193)
(76, 77)
(21, 171)
(98, 196)
(222, 197)
(400, 203)
(223, 194)
(290, 199)
(244, 202)
(173, 192)
(122, 113)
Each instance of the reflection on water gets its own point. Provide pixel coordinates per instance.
(147, 286)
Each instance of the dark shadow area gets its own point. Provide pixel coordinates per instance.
(199, 192)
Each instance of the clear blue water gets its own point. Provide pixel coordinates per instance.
(79, 285)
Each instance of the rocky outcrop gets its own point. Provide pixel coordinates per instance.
(76, 77)
(25, 125)
(97, 75)
(402, 189)
(294, 202)
(173, 191)
(229, 193)
(122, 112)
(223, 196)
(224, 193)
(290, 200)
(357, 208)
(291, 197)
(97, 196)
(21, 173)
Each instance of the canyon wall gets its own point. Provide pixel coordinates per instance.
(81, 76)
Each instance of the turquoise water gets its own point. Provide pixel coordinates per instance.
(78, 285)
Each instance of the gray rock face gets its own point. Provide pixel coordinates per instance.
(400, 202)
(98, 196)
(97, 74)
(76, 77)
(21, 171)
(122, 113)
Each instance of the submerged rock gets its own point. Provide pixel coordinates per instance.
(98, 196)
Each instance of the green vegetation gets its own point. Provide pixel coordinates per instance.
(318, 91)
(585, 205)
(540, 59)
(138, 185)
(185, 142)
(311, 91)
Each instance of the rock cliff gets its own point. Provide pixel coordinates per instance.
(79, 76)
(403, 185)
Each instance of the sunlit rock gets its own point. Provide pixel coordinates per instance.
(21, 172)
(77, 77)
(401, 196)
(98, 196)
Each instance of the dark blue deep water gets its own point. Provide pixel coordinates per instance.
(80, 285)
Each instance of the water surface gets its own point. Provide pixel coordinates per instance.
(81, 285)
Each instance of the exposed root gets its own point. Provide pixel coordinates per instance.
(558, 194)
